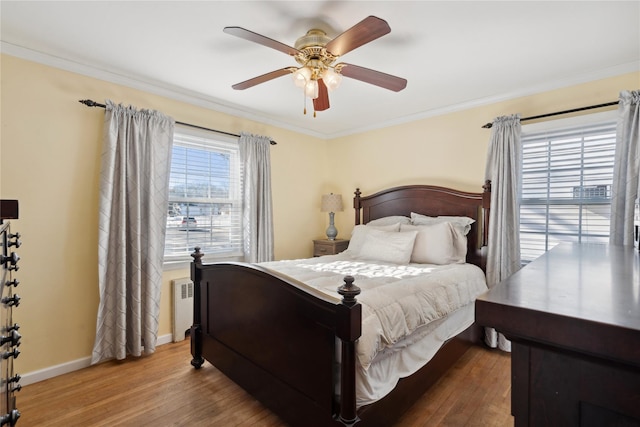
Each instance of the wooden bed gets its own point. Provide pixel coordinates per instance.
(277, 339)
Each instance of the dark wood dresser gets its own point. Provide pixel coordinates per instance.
(573, 316)
(9, 336)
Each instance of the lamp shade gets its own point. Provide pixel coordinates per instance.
(331, 79)
(311, 89)
(301, 76)
(331, 203)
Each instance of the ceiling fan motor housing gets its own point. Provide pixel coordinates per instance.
(313, 38)
(313, 52)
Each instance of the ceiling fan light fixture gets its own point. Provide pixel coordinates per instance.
(316, 53)
(311, 89)
(331, 79)
(301, 76)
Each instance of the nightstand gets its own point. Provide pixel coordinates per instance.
(329, 247)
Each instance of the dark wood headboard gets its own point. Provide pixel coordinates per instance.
(432, 201)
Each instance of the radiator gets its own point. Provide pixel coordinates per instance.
(182, 308)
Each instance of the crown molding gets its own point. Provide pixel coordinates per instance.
(604, 73)
(193, 98)
(154, 87)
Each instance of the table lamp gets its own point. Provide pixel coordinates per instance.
(331, 203)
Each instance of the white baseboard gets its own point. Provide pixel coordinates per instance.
(74, 365)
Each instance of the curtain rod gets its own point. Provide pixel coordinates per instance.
(90, 103)
(488, 125)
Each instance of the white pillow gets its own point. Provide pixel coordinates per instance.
(439, 243)
(387, 220)
(388, 246)
(461, 222)
(360, 232)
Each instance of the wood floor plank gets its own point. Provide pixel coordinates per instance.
(163, 389)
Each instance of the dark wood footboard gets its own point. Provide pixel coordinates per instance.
(276, 338)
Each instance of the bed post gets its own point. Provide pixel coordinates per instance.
(349, 329)
(196, 328)
(356, 205)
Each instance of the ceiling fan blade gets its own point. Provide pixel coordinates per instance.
(373, 77)
(321, 103)
(260, 39)
(363, 32)
(263, 78)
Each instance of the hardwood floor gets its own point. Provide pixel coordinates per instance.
(165, 390)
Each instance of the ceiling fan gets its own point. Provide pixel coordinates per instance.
(316, 54)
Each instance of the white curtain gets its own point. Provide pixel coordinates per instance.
(626, 169)
(133, 201)
(503, 169)
(256, 188)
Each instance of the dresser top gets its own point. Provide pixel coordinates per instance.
(575, 294)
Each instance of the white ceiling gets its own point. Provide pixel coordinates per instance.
(454, 54)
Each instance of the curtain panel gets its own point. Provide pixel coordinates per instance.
(626, 169)
(136, 160)
(504, 164)
(257, 204)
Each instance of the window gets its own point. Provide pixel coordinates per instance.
(567, 174)
(205, 206)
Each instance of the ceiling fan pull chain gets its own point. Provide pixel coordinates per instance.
(304, 97)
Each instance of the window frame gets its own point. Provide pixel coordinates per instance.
(561, 125)
(208, 140)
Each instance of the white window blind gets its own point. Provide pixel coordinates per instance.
(205, 207)
(566, 186)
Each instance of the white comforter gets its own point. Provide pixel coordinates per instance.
(396, 299)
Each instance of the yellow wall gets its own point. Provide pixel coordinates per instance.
(50, 162)
(50, 159)
(450, 149)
